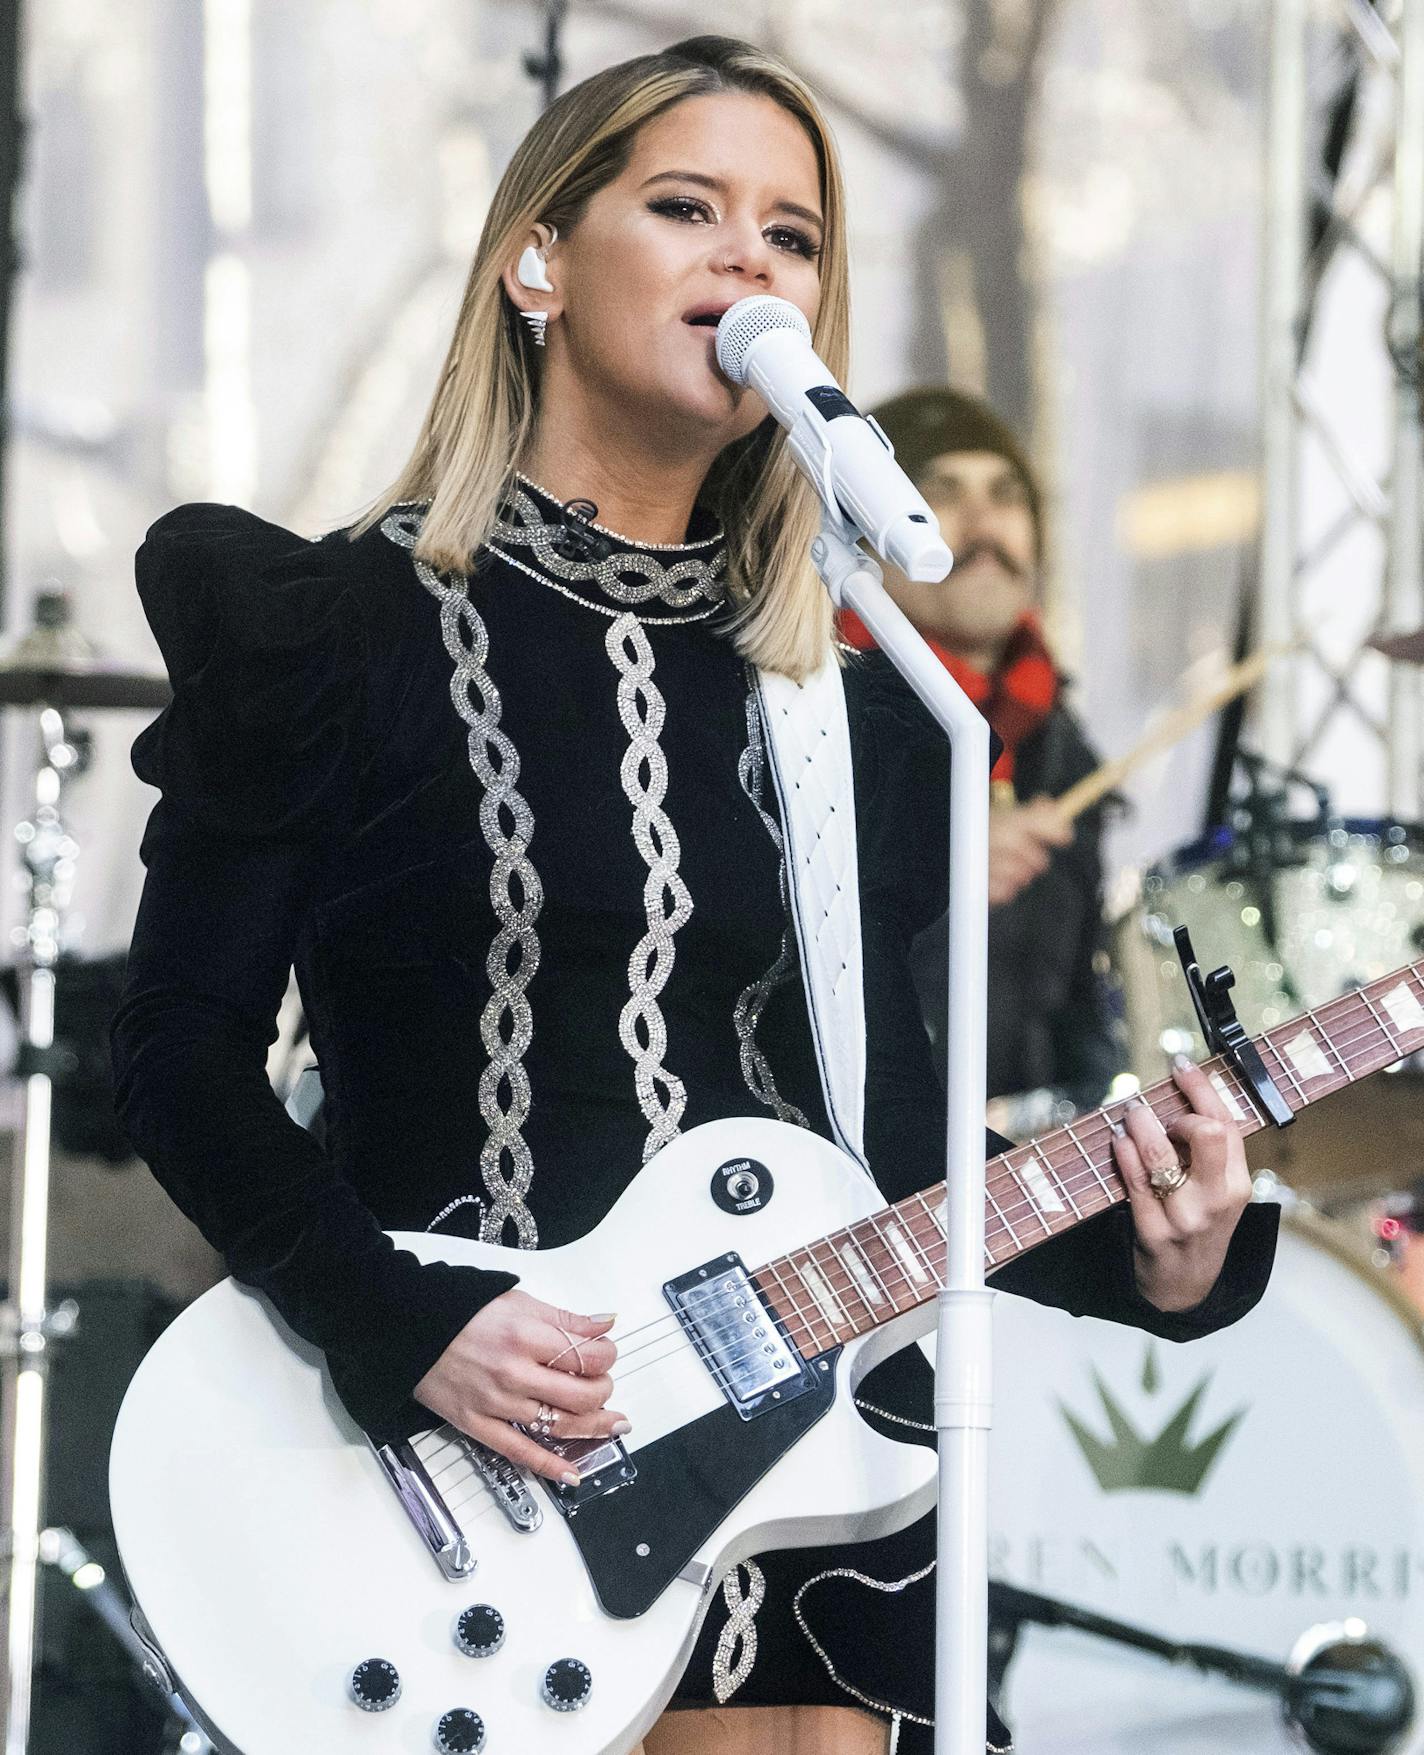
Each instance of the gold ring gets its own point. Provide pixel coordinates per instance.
(1167, 1179)
(573, 1347)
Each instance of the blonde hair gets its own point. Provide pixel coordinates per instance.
(482, 414)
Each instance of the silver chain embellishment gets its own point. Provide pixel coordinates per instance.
(460, 1200)
(631, 575)
(652, 621)
(892, 1586)
(895, 1419)
(739, 1629)
(516, 894)
(746, 1014)
(661, 1094)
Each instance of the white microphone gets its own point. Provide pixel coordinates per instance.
(765, 343)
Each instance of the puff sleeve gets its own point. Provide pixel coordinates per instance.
(258, 760)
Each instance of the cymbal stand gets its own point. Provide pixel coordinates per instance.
(27, 1325)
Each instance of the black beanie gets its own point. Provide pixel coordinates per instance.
(923, 424)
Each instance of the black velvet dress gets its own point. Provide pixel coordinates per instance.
(516, 835)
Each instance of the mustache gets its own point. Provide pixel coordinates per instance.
(984, 549)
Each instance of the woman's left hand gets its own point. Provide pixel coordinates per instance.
(1182, 1238)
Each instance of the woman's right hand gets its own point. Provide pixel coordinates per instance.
(512, 1361)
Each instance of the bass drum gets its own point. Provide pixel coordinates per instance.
(1337, 909)
(1239, 1492)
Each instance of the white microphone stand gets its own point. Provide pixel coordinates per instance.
(963, 1369)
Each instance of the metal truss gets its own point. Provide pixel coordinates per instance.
(1354, 199)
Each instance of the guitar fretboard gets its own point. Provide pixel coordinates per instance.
(852, 1281)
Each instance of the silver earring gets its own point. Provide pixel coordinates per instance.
(538, 322)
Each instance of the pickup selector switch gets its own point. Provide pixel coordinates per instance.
(480, 1631)
(567, 1685)
(375, 1685)
(460, 1732)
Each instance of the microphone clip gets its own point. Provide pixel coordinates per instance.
(575, 538)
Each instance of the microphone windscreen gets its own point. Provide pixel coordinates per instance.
(747, 320)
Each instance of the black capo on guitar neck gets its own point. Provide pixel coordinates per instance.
(1224, 1032)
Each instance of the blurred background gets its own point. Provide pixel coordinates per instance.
(1175, 243)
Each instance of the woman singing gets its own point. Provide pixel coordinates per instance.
(489, 769)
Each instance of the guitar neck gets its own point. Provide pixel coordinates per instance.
(853, 1281)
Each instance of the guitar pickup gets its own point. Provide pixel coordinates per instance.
(738, 1337)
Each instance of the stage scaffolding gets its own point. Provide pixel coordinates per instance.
(1362, 183)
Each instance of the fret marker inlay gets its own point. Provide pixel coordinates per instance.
(856, 1268)
(1307, 1056)
(912, 1263)
(1403, 1006)
(826, 1301)
(1228, 1097)
(1040, 1188)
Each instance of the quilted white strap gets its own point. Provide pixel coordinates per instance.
(808, 736)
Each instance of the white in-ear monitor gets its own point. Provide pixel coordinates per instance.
(533, 271)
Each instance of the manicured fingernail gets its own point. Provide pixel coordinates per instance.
(1180, 1063)
(569, 1478)
(605, 1316)
(1117, 1128)
(619, 1427)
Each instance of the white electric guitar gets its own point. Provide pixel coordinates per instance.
(308, 1593)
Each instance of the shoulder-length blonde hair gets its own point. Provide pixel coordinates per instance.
(482, 414)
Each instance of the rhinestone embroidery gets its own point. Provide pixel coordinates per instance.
(460, 1200)
(507, 1023)
(739, 1630)
(892, 1586)
(751, 1002)
(644, 774)
(651, 621)
(632, 575)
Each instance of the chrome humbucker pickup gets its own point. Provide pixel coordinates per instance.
(738, 1338)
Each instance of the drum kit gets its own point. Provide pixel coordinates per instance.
(1254, 1502)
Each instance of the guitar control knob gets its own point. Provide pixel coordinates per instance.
(480, 1631)
(460, 1732)
(567, 1685)
(375, 1685)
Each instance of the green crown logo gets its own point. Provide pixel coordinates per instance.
(1168, 1462)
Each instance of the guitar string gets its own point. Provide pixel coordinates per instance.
(1083, 1178)
(1165, 1099)
(1090, 1133)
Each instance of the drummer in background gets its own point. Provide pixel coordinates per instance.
(1053, 1045)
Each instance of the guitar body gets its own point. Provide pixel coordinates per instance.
(270, 1555)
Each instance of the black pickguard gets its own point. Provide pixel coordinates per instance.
(687, 1483)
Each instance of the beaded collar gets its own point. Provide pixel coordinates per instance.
(531, 532)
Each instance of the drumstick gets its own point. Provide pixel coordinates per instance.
(1086, 793)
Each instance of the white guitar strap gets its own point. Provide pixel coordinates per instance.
(808, 746)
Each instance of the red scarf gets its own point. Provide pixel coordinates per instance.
(1015, 700)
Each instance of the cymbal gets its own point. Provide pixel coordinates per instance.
(1402, 648)
(53, 665)
(95, 684)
